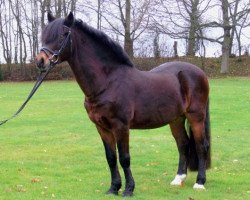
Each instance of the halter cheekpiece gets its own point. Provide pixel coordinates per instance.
(55, 54)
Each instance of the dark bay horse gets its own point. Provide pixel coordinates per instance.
(119, 97)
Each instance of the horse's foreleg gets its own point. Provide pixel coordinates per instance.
(110, 150)
(181, 138)
(122, 137)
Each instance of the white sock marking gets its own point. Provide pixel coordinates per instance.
(199, 186)
(179, 179)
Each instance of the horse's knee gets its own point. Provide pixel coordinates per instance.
(112, 162)
(125, 160)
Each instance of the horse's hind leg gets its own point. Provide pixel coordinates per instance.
(196, 121)
(182, 141)
(110, 150)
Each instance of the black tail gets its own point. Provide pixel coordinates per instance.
(208, 136)
(193, 158)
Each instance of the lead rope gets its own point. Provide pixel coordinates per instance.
(39, 81)
(42, 76)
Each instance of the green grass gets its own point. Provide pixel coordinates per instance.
(52, 150)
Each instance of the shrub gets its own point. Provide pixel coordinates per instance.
(1, 73)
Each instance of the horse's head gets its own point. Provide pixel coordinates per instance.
(56, 41)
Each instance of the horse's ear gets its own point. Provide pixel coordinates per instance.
(69, 20)
(50, 17)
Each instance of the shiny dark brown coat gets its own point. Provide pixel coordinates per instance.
(119, 97)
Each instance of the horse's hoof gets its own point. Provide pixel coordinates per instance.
(111, 192)
(178, 180)
(127, 194)
(198, 186)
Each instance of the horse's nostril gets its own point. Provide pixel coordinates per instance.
(40, 63)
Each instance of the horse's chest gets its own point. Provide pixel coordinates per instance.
(92, 111)
(98, 114)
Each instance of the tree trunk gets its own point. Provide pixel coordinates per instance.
(48, 5)
(233, 15)
(42, 8)
(16, 49)
(193, 26)
(231, 42)
(175, 49)
(225, 55)
(239, 47)
(58, 8)
(128, 42)
(73, 6)
(128, 46)
(65, 8)
(35, 26)
(191, 42)
(156, 45)
(226, 39)
(99, 15)
(5, 34)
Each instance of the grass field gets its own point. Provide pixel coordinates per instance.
(52, 150)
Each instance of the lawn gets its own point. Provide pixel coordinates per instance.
(52, 150)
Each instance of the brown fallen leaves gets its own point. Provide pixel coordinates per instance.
(35, 180)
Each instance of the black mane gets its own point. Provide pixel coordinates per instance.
(101, 38)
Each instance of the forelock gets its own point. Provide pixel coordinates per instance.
(51, 31)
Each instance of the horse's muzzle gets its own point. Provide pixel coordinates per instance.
(40, 63)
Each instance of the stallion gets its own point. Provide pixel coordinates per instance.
(119, 97)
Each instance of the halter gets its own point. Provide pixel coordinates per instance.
(55, 54)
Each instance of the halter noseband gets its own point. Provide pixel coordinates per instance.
(56, 53)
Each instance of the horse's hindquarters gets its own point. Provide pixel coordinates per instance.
(158, 101)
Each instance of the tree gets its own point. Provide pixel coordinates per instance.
(99, 14)
(32, 25)
(92, 8)
(20, 42)
(156, 44)
(132, 22)
(192, 10)
(128, 19)
(182, 19)
(239, 14)
(226, 37)
(229, 23)
(175, 49)
(45, 6)
(5, 30)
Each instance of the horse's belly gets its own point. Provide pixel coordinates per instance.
(147, 125)
(147, 120)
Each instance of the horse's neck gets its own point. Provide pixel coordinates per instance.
(91, 70)
(88, 73)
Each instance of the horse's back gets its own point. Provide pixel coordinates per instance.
(183, 70)
(177, 66)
